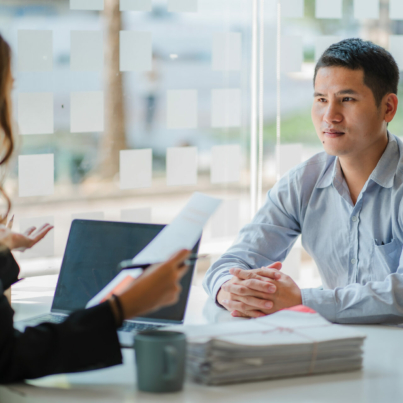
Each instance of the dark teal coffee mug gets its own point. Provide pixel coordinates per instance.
(160, 361)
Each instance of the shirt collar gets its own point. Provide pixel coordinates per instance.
(383, 174)
(385, 170)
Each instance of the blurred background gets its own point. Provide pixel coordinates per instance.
(124, 108)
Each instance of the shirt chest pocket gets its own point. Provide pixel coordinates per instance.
(385, 259)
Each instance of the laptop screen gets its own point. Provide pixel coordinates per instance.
(93, 251)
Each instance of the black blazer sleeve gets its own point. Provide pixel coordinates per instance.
(86, 340)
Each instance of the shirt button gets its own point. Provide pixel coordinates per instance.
(354, 218)
(353, 261)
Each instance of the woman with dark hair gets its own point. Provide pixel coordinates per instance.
(87, 339)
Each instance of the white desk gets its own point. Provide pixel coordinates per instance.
(381, 380)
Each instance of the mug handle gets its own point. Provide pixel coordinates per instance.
(171, 362)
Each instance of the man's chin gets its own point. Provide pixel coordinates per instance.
(334, 151)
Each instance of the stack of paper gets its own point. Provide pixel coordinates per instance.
(284, 344)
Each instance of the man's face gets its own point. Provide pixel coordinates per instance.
(344, 113)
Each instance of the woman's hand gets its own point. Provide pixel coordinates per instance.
(21, 242)
(157, 287)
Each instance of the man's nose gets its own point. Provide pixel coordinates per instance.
(333, 114)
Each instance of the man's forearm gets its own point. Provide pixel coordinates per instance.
(374, 302)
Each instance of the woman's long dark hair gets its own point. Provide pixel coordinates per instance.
(7, 145)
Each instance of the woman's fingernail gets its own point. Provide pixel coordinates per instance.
(225, 301)
(271, 288)
(268, 304)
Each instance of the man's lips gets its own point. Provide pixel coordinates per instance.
(333, 133)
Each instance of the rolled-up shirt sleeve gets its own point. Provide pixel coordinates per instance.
(374, 302)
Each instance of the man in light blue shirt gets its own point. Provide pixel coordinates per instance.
(346, 203)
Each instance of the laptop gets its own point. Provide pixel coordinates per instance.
(93, 252)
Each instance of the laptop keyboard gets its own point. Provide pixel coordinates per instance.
(127, 326)
(137, 327)
(45, 318)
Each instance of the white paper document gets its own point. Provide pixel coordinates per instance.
(182, 233)
(119, 283)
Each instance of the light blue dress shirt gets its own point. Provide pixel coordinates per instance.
(357, 248)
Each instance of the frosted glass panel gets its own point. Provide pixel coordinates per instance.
(225, 163)
(396, 9)
(181, 166)
(292, 53)
(135, 52)
(225, 222)
(366, 9)
(36, 175)
(135, 5)
(87, 112)
(226, 51)
(182, 109)
(182, 6)
(396, 49)
(292, 8)
(93, 215)
(45, 247)
(226, 107)
(329, 8)
(87, 51)
(322, 43)
(35, 113)
(135, 168)
(140, 215)
(35, 50)
(290, 156)
(86, 4)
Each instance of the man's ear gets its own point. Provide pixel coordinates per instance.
(391, 101)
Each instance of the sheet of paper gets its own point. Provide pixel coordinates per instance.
(87, 51)
(181, 166)
(139, 215)
(182, 6)
(135, 5)
(225, 163)
(183, 232)
(396, 9)
(226, 107)
(43, 248)
(87, 112)
(329, 8)
(181, 109)
(35, 113)
(292, 8)
(119, 283)
(35, 175)
(87, 5)
(35, 50)
(93, 215)
(292, 54)
(227, 51)
(136, 168)
(396, 49)
(323, 42)
(135, 52)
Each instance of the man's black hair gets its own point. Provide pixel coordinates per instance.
(381, 73)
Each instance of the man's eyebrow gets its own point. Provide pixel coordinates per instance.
(342, 92)
(347, 92)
